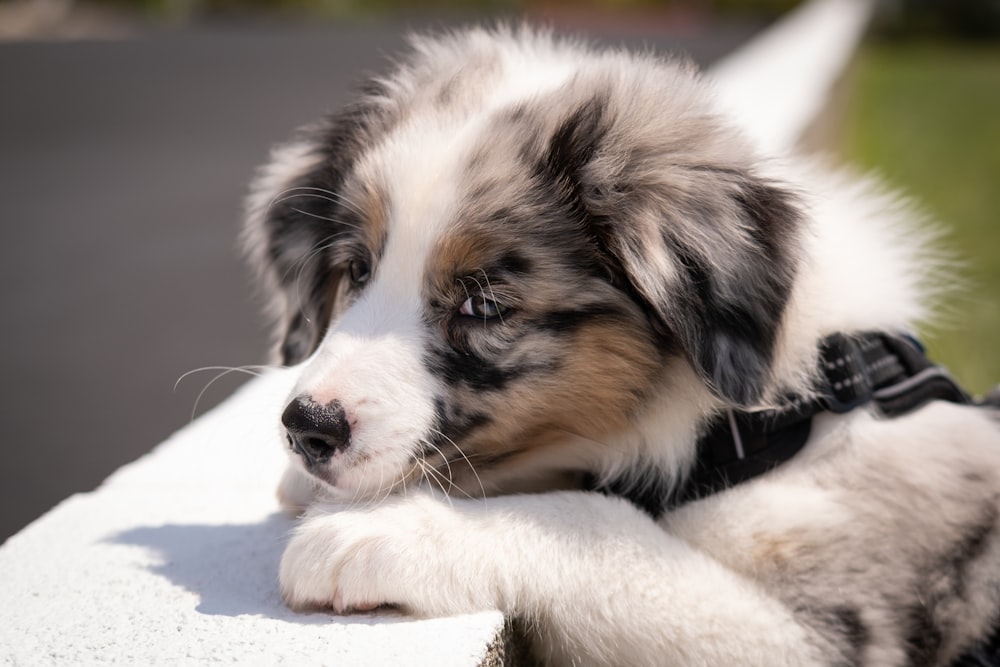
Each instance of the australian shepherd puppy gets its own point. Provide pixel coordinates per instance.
(523, 279)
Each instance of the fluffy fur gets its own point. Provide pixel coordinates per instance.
(515, 261)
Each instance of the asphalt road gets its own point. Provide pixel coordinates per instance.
(123, 165)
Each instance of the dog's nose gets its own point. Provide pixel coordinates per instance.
(316, 432)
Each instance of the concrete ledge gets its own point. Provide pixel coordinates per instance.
(780, 83)
(174, 558)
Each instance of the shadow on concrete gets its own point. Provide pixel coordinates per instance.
(233, 568)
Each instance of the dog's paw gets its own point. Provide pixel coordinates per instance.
(407, 553)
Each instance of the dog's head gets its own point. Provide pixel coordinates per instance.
(505, 245)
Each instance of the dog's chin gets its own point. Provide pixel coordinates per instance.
(339, 484)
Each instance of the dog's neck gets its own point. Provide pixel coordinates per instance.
(886, 373)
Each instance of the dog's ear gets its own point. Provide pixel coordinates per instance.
(709, 249)
(713, 256)
(294, 211)
(731, 250)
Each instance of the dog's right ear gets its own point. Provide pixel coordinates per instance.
(294, 210)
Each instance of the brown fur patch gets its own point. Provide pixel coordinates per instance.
(579, 355)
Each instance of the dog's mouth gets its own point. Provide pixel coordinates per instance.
(368, 481)
(348, 475)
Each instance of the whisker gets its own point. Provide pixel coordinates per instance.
(433, 478)
(493, 296)
(403, 480)
(424, 480)
(451, 475)
(321, 193)
(449, 492)
(602, 443)
(468, 462)
(250, 369)
(301, 265)
(325, 218)
(324, 244)
(253, 370)
(356, 496)
(482, 293)
(464, 287)
(384, 495)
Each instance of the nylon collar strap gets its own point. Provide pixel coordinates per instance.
(891, 372)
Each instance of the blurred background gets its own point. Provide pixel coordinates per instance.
(129, 130)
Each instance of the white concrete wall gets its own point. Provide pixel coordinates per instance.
(174, 558)
(776, 85)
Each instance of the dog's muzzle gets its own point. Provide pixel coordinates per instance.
(316, 432)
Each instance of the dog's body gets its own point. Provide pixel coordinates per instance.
(515, 263)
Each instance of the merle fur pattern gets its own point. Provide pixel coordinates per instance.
(639, 270)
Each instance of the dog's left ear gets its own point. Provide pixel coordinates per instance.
(713, 256)
(710, 249)
(715, 262)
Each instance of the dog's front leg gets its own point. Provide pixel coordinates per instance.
(599, 580)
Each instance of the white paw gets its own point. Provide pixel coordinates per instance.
(403, 553)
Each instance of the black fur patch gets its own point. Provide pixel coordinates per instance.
(304, 219)
(855, 635)
(645, 487)
(575, 141)
(729, 325)
(842, 626)
(922, 633)
(514, 263)
(972, 546)
(475, 371)
(298, 341)
(560, 168)
(559, 172)
(568, 321)
(453, 423)
(922, 636)
(730, 339)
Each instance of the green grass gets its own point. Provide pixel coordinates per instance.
(927, 117)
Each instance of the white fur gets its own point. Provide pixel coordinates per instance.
(738, 578)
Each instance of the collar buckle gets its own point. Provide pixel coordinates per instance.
(846, 382)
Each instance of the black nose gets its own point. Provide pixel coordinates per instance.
(316, 432)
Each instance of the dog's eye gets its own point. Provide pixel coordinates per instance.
(483, 308)
(359, 271)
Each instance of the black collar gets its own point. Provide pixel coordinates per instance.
(889, 372)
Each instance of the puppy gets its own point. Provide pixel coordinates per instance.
(570, 349)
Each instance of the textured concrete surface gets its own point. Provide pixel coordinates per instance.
(174, 560)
